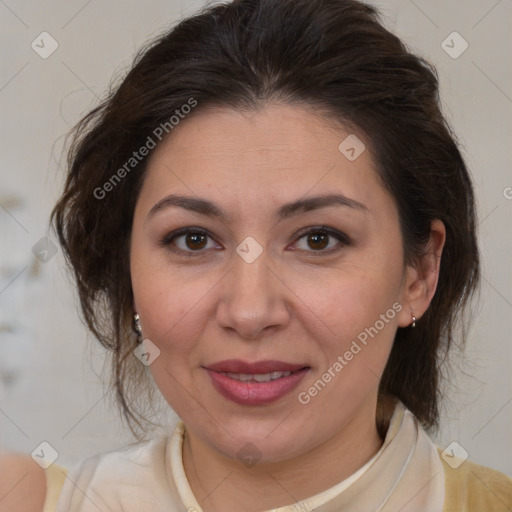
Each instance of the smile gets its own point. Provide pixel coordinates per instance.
(256, 383)
(257, 377)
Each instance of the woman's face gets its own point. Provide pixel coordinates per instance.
(283, 280)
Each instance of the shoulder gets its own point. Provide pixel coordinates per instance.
(107, 479)
(142, 456)
(22, 484)
(471, 487)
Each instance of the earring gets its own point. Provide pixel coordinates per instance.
(413, 321)
(137, 327)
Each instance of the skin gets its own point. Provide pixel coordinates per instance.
(291, 304)
(22, 484)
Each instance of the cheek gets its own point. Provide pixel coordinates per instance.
(354, 328)
(172, 315)
(171, 303)
(175, 305)
(352, 318)
(345, 302)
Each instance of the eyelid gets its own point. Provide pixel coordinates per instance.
(167, 240)
(169, 237)
(342, 238)
(323, 229)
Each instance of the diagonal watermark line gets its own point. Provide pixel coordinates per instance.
(485, 15)
(428, 483)
(424, 13)
(216, 487)
(85, 495)
(14, 14)
(491, 491)
(198, 402)
(13, 487)
(299, 503)
(74, 426)
(12, 78)
(503, 407)
(497, 291)
(309, 309)
(14, 423)
(14, 218)
(372, 372)
(304, 195)
(167, 333)
(188, 186)
(492, 81)
(84, 84)
(488, 215)
(279, 424)
(13, 279)
(75, 15)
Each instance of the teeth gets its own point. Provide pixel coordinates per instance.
(258, 377)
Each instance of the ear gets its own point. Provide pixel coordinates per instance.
(421, 278)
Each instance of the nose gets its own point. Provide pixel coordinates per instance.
(253, 299)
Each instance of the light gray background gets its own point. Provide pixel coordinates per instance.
(55, 392)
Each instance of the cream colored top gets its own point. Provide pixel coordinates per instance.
(407, 474)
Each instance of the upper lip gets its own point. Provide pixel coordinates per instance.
(266, 366)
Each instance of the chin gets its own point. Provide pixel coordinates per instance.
(271, 441)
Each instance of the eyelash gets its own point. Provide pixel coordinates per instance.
(344, 240)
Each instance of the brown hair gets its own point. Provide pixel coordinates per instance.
(334, 55)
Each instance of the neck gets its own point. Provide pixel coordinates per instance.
(221, 483)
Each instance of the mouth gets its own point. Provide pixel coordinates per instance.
(237, 366)
(256, 377)
(255, 383)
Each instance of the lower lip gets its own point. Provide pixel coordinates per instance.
(255, 393)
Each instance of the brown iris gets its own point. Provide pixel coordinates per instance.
(318, 239)
(198, 240)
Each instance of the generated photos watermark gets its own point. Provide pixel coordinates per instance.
(157, 135)
(305, 397)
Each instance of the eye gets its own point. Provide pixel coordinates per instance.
(190, 240)
(320, 239)
(187, 241)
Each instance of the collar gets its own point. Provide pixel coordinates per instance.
(406, 474)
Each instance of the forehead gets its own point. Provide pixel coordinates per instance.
(274, 154)
(277, 135)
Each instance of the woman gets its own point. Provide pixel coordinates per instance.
(271, 218)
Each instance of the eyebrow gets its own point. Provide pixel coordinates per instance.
(204, 207)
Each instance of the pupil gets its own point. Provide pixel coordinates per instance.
(318, 238)
(195, 238)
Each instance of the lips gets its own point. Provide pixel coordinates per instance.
(255, 383)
